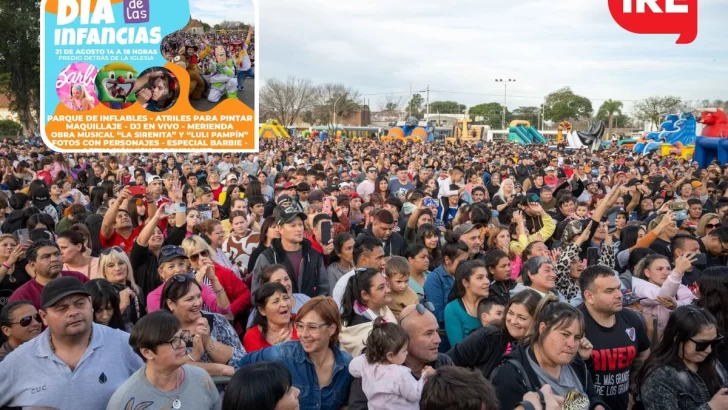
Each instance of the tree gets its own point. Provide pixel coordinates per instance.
(335, 102)
(608, 109)
(285, 101)
(654, 109)
(530, 114)
(492, 114)
(20, 59)
(564, 105)
(414, 106)
(206, 27)
(390, 106)
(10, 128)
(447, 107)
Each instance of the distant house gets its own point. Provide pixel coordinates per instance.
(5, 113)
(194, 27)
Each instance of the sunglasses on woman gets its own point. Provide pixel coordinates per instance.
(196, 256)
(25, 321)
(113, 248)
(713, 226)
(701, 346)
(183, 277)
(169, 250)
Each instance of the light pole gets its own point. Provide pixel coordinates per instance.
(505, 96)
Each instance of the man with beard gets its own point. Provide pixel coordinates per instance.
(44, 258)
(68, 365)
(619, 339)
(422, 350)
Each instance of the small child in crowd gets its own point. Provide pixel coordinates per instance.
(397, 271)
(582, 210)
(490, 311)
(386, 383)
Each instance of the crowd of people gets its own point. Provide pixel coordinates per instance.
(363, 275)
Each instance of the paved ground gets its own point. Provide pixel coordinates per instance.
(247, 96)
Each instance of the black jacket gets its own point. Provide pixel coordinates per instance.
(483, 349)
(357, 398)
(13, 222)
(312, 282)
(395, 245)
(501, 291)
(511, 383)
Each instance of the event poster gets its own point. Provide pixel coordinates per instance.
(148, 75)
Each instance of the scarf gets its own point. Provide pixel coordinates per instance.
(364, 311)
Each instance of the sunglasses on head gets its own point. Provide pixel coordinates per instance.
(183, 277)
(169, 250)
(701, 346)
(196, 256)
(112, 249)
(420, 308)
(25, 321)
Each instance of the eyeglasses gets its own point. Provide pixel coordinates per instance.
(420, 308)
(701, 346)
(169, 250)
(178, 342)
(25, 321)
(183, 277)
(713, 226)
(107, 251)
(196, 256)
(312, 327)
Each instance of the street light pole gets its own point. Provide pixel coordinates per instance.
(505, 97)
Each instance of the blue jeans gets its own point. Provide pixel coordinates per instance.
(242, 75)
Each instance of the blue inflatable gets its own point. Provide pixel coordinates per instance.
(676, 129)
(707, 149)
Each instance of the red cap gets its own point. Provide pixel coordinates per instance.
(354, 195)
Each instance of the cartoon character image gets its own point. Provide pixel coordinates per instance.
(223, 80)
(114, 83)
(197, 84)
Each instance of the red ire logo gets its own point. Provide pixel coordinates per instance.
(658, 17)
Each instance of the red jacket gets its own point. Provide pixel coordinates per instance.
(238, 294)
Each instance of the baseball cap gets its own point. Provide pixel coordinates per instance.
(203, 190)
(155, 179)
(59, 288)
(316, 196)
(41, 198)
(230, 177)
(287, 215)
(169, 252)
(592, 181)
(464, 228)
(344, 185)
(284, 200)
(550, 169)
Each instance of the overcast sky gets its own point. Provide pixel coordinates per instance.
(459, 47)
(215, 11)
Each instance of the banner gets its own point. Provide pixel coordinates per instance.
(144, 75)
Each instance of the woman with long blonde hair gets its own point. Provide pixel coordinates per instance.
(78, 99)
(115, 267)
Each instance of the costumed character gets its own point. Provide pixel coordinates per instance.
(223, 80)
(715, 121)
(114, 85)
(197, 83)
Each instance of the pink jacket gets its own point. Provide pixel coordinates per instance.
(387, 386)
(672, 288)
(154, 299)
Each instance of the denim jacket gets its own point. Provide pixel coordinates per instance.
(438, 285)
(303, 373)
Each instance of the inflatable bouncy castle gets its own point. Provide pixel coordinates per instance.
(591, 138)
(713, 144)
(678, 132)
(521, 132)
(411, 130)
(273, 130)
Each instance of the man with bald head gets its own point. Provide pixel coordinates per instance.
(422, 350)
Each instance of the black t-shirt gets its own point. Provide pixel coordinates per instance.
(710, 259)
(662, 247)
(614, 351)
(12, 282)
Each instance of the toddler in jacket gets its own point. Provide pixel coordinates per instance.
(386, 383)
